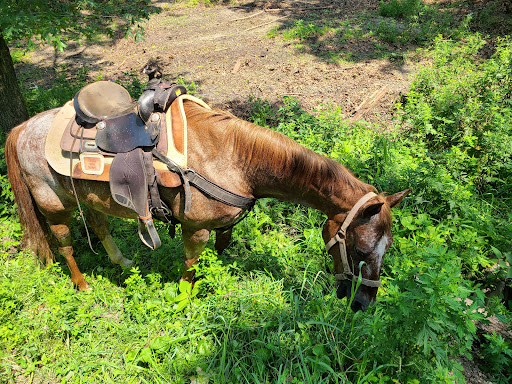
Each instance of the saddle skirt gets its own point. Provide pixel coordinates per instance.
(65, 140)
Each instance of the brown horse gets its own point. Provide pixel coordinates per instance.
(242, 157)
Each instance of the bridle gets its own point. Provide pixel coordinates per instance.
(339, 239)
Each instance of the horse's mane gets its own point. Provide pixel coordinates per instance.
(263, 149)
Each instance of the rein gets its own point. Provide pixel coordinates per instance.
(339, 239)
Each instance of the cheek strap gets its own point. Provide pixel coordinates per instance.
(339, 239)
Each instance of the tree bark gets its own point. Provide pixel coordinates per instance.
(13, 110)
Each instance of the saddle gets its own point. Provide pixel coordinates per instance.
(104, 135)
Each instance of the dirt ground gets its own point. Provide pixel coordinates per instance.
(226, 51)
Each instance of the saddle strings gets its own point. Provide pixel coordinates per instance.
(74, 190)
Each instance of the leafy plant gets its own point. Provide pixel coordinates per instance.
(303, 31)
(461, 109)
(498, 357)
(400, 8)
(416, 22)
(39, 98)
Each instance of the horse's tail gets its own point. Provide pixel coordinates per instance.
(33, 223)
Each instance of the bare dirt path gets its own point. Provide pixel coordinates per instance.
(226, 51)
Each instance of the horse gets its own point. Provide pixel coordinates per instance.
(241, 157)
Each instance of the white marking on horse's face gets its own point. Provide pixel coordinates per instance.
(381, 247)
(378, 253)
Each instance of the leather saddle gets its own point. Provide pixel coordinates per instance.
(121, 123)
(114, 138)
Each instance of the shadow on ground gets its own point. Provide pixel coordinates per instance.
(340, 30)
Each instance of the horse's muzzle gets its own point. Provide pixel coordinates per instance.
(361, 300)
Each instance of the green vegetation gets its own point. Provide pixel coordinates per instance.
(394, 29)
(397, 24)
(266, 310)
(25, 23)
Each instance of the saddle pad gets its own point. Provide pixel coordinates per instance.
(59, 159)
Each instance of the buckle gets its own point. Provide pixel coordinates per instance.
(162, 211)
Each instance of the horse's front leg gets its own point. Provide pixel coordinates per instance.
(194, 242)
(99, 224)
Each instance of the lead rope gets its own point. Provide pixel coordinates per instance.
(76, 196)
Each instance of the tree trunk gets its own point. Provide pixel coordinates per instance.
(12, 106)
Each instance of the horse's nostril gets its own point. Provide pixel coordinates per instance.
(358, 306)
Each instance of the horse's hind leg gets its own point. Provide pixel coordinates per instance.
(60, 229)
(99, 224)
(222, 239)
(59, 215)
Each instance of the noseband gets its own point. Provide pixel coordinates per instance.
(339, 239)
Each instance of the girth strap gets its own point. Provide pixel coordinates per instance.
(157, 207)
(217, 192)
(174, 167)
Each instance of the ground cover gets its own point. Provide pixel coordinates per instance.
(266, 311)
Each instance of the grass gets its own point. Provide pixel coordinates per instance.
(266, 311)
(139, 331)
(397, 25)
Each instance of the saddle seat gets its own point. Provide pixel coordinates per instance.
(103, 100)
(109, 108)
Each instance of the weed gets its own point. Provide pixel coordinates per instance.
(191, 86)
(400, 8)
(273, 32)
(303, 31)
(461, 109)
(39, 98)
(498, 357)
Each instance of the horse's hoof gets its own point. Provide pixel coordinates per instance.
(84, 286)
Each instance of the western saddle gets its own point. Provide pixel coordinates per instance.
(116, 139)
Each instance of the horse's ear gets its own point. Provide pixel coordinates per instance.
(394, 200)
(371, 210)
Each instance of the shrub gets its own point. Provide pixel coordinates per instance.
(400, 8)
(460, 108)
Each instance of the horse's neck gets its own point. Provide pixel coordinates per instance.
(330, 188)
(267, 164)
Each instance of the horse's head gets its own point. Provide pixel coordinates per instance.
(357, 241)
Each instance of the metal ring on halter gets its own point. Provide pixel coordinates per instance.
(339, 239)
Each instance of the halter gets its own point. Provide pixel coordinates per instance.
(339, 238)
